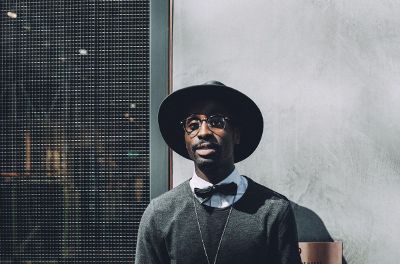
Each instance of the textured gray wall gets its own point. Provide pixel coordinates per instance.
(326, 75)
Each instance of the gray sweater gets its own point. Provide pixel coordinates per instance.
(261, 229)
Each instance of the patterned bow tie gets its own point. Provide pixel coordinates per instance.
(226, 189)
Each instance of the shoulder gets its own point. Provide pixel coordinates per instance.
(264, 200)
(172, 199)
(263, 192)
(162, 210)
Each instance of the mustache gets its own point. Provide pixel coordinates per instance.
(205, 144)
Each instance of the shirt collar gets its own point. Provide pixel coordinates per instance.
(197, 182)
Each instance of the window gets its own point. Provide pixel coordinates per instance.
(75, 129)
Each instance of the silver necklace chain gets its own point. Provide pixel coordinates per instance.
(223, 231)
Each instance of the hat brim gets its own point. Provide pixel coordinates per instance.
(244, 111)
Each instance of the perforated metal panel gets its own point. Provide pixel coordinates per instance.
(74, 138)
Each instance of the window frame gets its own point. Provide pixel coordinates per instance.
(160, 83)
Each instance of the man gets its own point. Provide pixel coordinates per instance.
(218, 216)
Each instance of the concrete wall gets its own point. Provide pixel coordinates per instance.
(326, 75)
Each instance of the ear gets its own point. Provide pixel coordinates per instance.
(236, 135)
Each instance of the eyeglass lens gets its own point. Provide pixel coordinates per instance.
(213, 122)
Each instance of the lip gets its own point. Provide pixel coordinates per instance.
(204, 152)
(206, 149)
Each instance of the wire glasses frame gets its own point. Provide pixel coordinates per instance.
(215, 123)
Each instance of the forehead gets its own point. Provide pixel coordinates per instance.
(208, 107)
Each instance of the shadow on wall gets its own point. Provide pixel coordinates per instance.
(310, 227)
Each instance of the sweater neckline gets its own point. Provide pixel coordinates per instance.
(236, 204)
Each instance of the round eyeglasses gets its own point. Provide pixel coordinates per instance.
(215, 123)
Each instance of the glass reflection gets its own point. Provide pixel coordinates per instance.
(74, 164)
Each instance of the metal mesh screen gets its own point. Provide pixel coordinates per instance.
(74, 133)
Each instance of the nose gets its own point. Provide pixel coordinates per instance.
(204, 130)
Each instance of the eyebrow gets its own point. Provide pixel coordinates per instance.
(192, 115)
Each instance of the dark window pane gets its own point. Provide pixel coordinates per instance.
(74, 134)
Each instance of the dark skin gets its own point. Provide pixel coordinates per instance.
(212, 151)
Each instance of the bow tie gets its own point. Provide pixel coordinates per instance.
(226, 189)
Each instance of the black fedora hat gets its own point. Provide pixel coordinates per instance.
(245, 113)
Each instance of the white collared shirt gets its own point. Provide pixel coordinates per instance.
(219, 200)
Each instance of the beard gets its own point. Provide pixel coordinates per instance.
(206, 165)
(208, 162)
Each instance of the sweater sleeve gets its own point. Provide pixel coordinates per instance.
(150, 247)
(288, 245)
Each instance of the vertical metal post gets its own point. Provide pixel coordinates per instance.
(159, 84)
